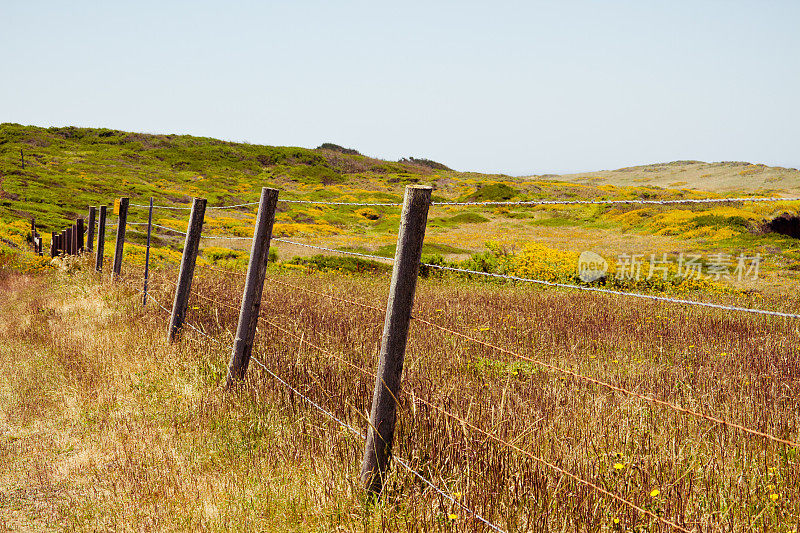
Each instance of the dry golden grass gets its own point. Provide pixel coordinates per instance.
(105, 426)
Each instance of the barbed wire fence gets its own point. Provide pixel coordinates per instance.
(397, 316)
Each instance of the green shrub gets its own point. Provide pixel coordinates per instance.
(351, 265)
(495, 192)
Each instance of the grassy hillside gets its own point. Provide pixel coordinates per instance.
(66, 169)
(726, 176)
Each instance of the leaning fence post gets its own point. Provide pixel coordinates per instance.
(190, 249)
(383, 415)
(118, 251)
(101, 239)
(253, 288)
(147, 254)
(90, 231)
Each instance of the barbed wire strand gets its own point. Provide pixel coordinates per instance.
(315, 202)
(224, 237)
(157, 226)
(632, 201)
(561, 285)
(328, 413)
(618, 293)
(610, 386)
(314, 246)
(554, 467)
(571, 373)
(182, 208)
(360, 435)
(304, 289)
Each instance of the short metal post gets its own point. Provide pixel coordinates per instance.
(147, 253)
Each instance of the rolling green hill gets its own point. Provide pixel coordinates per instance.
(69, 168)
(54, 174)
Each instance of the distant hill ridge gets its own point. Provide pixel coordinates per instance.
(54, 173)
(723, 176)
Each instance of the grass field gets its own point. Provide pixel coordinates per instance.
(106, 426)
(103, 425)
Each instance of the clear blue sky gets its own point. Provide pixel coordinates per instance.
(513, 87)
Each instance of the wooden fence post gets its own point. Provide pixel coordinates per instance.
(190, 249)
(101, 239)
(253, 288)
(80, 234)
(90, 232)
(74, 244)
(68, 244)
(383, 416)
(120, 248)
(53, 244)
(147, 254)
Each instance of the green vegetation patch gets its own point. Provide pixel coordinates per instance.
(494, 192)
(349, 265)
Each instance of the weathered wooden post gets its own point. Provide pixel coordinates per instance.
(120, 248)
(101, 239)
(253, 288)
(53, 244)
(68, 243)
(383, 416)
(147, 254)
(74, 244)
(90, 231)
(80, 234)
(190, 249)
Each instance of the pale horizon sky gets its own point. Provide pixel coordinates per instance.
(510, 87)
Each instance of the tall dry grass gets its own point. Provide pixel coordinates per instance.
(170, 450)
(742, 368)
